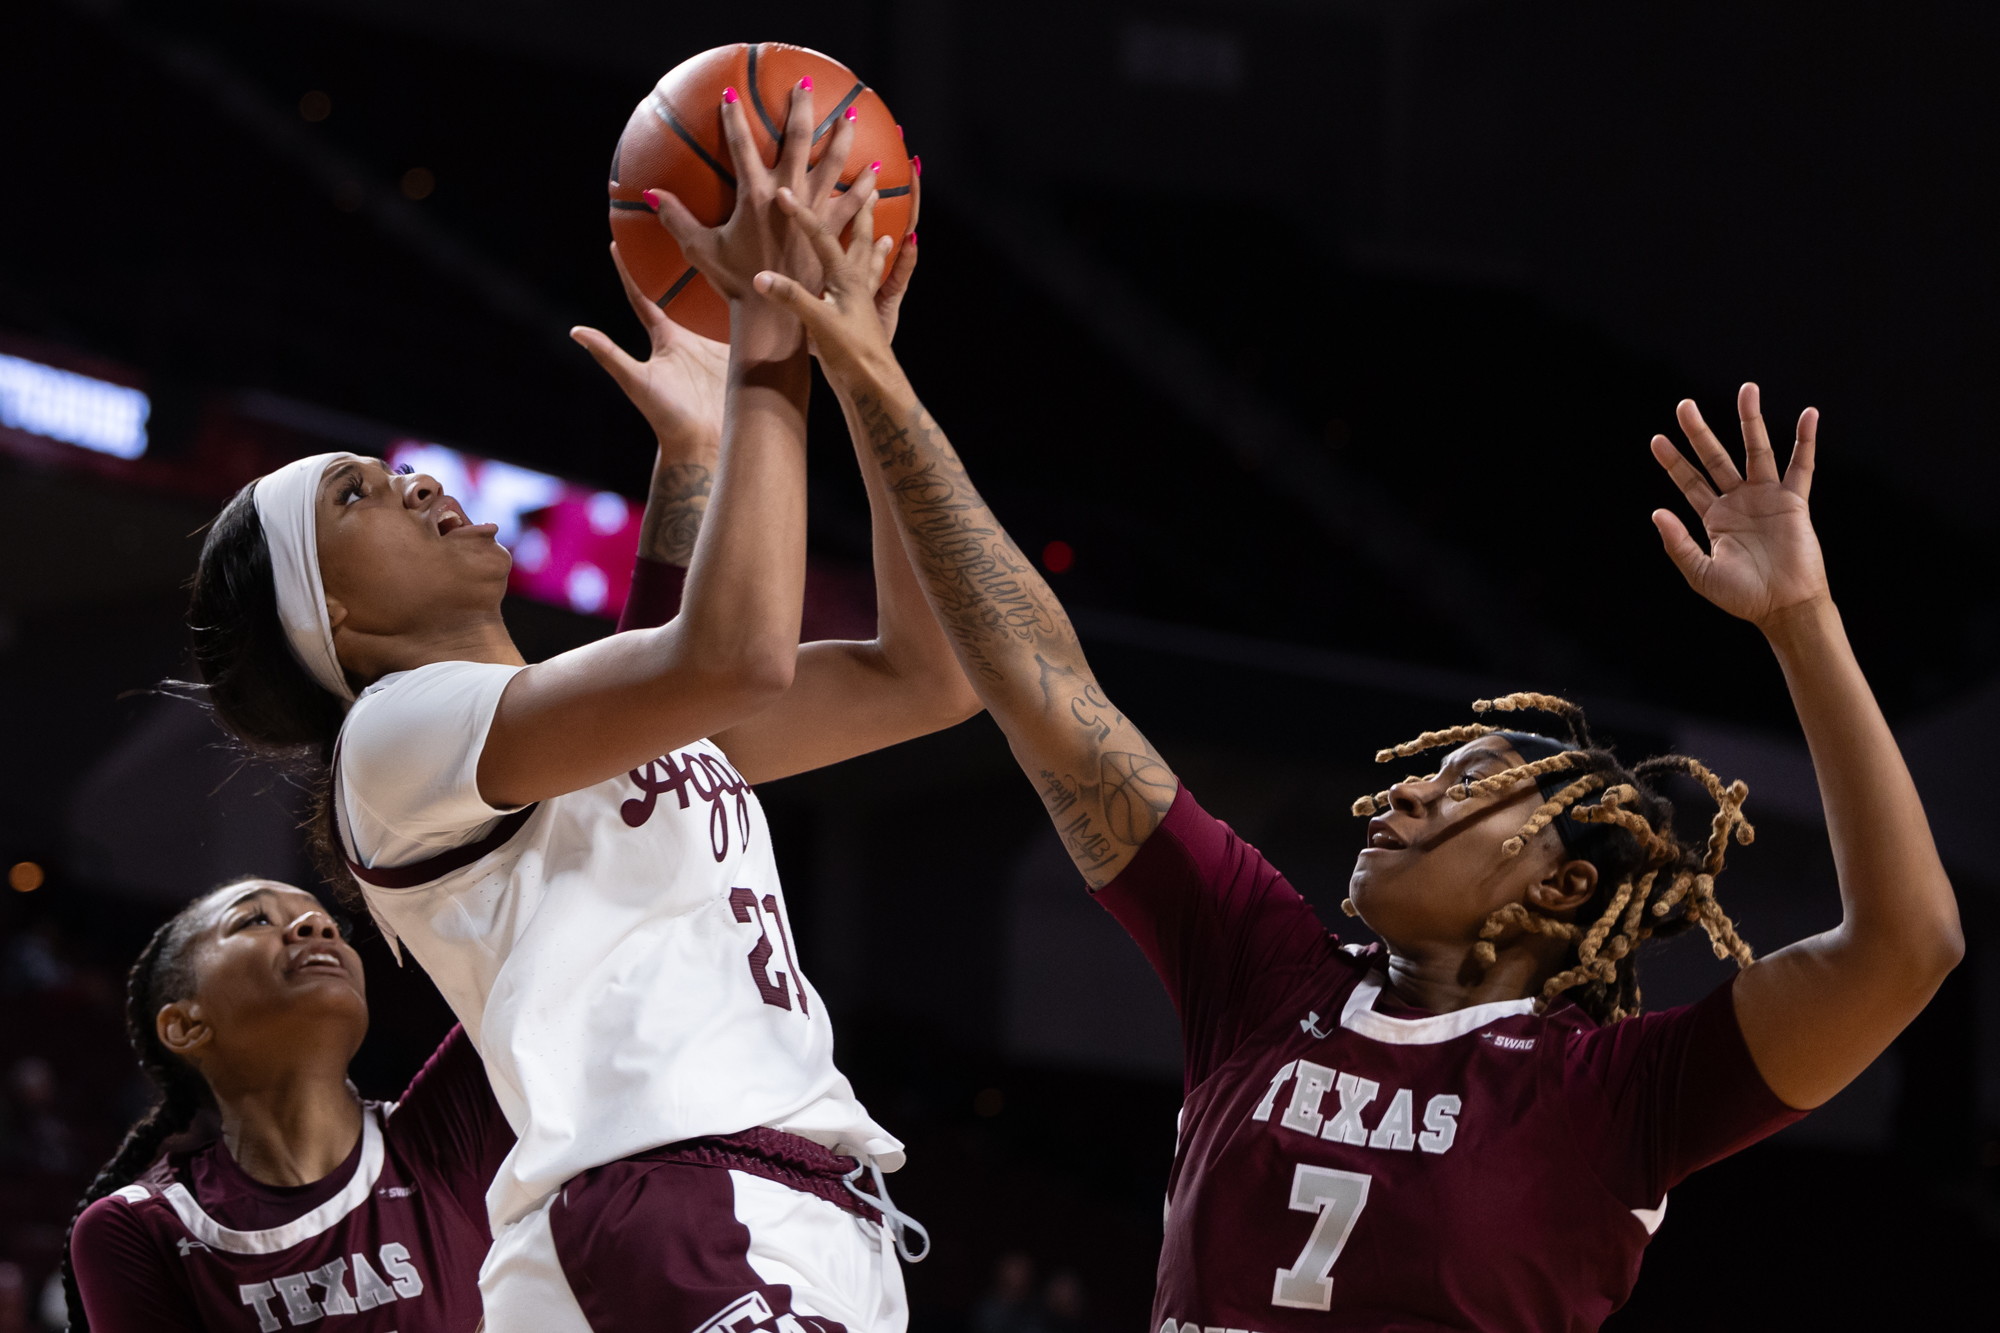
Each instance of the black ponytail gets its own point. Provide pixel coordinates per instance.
(250, 678)
(163, 974)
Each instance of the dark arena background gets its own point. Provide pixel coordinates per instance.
(1312, 347)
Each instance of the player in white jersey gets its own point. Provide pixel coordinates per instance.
(572, 849)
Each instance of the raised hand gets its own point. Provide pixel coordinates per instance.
(896, 283)
(756, 236)
(844, 322)
(1763, 558)
(678, 387)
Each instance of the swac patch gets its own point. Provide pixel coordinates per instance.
(1509, 1043)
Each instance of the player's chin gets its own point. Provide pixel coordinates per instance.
(324, 988)
(1376, 868)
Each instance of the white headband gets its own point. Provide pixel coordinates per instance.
(288, 507)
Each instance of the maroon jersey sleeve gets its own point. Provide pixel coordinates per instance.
(655, 596)
(450, 1127)
(1658, 1097)
(1228, 936)
(122, 1274)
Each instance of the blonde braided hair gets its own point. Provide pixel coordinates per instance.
(1627, 833)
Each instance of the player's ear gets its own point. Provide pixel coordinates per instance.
(182, 1028)
(1568, 885)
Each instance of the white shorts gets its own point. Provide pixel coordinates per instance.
(679, 1248)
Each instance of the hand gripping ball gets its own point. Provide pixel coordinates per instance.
(674, 142)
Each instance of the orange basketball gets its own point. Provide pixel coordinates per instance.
(674, 142)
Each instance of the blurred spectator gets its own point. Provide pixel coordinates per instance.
(37, 1138)
(30, 960)
(13, 1299)
(1063, 1306)
(53, 1309)
(1009, 1306)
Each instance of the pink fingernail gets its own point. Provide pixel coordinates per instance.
(806, 83)
(652, 198)
(852, 114)
(899, 131)
(913, 240)
(916, 166)
(874, 166)
(728, 94)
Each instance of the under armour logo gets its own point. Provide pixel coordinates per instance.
(1310, 1024)
(188, 1247)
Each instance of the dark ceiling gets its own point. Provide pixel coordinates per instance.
(1467, 255)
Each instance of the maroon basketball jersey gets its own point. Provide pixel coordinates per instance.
(1349, 1163)
(391, 1240)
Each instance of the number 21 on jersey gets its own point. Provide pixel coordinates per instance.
(770, 981)
(1338, 1197)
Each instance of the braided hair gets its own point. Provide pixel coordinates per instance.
(163, 973)
(1626, 833)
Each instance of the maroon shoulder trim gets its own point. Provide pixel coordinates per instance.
(431, 867)
(437, 867)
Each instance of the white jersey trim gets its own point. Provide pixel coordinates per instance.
(1650, 1218)
(1359, 1016)
(212, 1233)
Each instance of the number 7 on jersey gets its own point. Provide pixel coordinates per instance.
(1338, 1197)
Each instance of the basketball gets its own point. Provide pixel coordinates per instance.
(674, 142)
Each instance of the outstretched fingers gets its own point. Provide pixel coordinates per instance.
(1682, 549)
(650, 315)
(744, 159)
(824, 240)
(863, 239)
(1686, 476)
(811, 310)
(683, 226)
(1706, 447)
(796, 150)
(824, 177)
(1759, 463)
(1799, 472)
(844, 207)
(617, 364)
(889, 296)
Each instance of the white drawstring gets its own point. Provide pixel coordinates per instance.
(894, 1219)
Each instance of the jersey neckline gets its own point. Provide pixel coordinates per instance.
(304, 1227)
(1358, 1015)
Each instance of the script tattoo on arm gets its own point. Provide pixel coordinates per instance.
(674, 507)
(1104, 785)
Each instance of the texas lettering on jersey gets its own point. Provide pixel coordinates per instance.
(1395, 1128)
(310, 1296)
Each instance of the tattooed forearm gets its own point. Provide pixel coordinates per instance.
(1138, 792)
(1104, 786)
(889, 440)
(986, 594)
(1102, 823)
(673, 512)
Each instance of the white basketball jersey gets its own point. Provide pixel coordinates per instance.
(622, 955)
